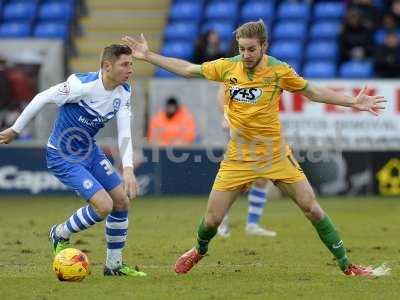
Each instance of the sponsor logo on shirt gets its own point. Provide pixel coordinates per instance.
(245, 95)
(93, 123)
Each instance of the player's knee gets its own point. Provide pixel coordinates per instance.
(314, 211)
(121, 204)
(103, 208)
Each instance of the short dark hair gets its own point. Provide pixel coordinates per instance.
(172, 101)
(113, 52)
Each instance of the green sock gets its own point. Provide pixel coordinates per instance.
(204, 235)
(331, 238)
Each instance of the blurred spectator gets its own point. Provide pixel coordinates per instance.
(395, 10)
(356, 39)
(172, 126)
(5, 92)
(207, 47)
(22, 85)
(387, 57)
(370, 15)
(389, 22)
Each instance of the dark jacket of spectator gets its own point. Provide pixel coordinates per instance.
(207, 47)
(356, 40)
(5, 91)
(387, 57)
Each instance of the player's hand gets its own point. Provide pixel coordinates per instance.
(131, 187)
(372, 104)
(139, 46)
(7, 136)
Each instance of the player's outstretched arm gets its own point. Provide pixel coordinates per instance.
(363, 102)
(141, 51)
(33, 108)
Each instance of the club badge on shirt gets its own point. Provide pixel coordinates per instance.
(64, 88)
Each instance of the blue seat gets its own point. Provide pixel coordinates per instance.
(186, 11)
(225, 10)
(379, 36)
(290, 30)
(69, 2)
(15, 30)
(325, 30)
(164, 74)
(329, 10)
(54, 11)
(181, 30)
(356, 69)
(224, 29)
(52, 30)
(294, 10)
(253, 10)
(188, 1)
(320, 69)
(182, 50)
(19, 11)
(287, 50)
(318, 50)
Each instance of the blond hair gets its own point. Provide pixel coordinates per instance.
(252, 30)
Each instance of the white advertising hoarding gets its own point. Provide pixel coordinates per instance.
(307, 124)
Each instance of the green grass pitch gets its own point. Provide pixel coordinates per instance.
(294, 265)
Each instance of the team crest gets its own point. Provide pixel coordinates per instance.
(64, 88)
(87, 184)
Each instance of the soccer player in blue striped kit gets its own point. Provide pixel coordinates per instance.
(87, 101)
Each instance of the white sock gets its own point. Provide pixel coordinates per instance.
(62, 231)
(114, 258)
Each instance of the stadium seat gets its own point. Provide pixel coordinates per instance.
(54, 11)
(320, 69)
(221, 10)
(356, 69)
(53, 30)
(317, 50)
(69, 2)
(379, 36)
(15, 30)
(182, 50)
(286, 50)
(164, 74)
(181, 31)
(290, 30)
(329, 10)
(253, 10)
(186, 11)
(293, 10)
(19, 11)
(224, 29)
(325, 30)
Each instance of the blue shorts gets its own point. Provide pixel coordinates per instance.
(86, 176)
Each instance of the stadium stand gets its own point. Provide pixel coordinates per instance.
(172, 27)
(304, 33)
